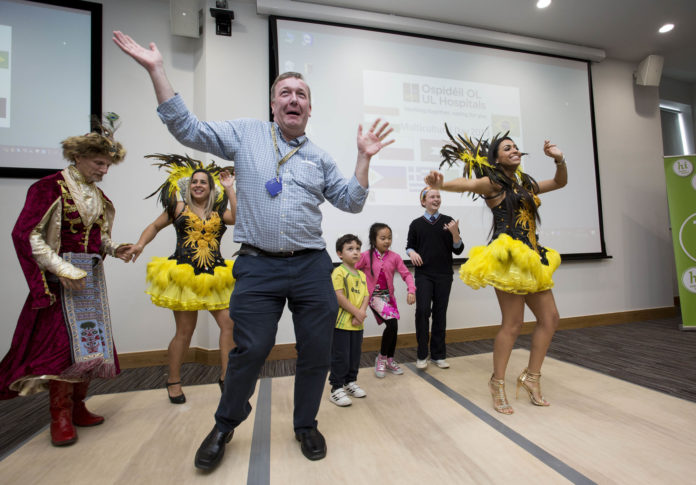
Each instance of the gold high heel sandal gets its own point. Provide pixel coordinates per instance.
(500, 402)
(524, 381)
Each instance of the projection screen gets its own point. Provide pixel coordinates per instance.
(418, 84)
(50, 80)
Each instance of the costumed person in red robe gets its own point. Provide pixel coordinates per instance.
(63, 337)
(196, 277)
(514, 263)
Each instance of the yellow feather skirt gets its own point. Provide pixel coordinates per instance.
(509, 265)
(175, 286)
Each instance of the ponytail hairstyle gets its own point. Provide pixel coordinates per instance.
(374, 229)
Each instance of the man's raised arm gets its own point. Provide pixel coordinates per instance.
(369, 144)
(151, 60)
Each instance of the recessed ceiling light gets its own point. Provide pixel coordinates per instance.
(543, 3)
(666, 28)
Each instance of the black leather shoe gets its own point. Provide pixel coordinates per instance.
(212, 449)
(312, 443)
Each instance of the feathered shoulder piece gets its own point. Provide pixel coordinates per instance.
(175, 188)
(474, 154)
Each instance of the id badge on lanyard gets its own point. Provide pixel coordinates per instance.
(275, 185)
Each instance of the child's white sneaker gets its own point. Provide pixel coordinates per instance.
(380, 365)
(441, 363)
(340, 398)
(354, 389)
(421, 363)
(393, 367)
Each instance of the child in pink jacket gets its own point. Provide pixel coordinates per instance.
(379, 265)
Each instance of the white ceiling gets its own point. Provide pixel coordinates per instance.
(624, 29)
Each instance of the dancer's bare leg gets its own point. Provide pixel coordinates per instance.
(512, 309)
(185, 325)
(222, 317)
(543, 305)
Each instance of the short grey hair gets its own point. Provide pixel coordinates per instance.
(287, 75)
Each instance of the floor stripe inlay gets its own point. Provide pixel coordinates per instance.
(260, 459)
(545, 457)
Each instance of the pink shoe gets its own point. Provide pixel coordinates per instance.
(393, 367)
(380, 365)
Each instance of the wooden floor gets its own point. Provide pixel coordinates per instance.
(430, 427)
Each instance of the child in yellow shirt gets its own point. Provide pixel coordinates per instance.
(351, 293)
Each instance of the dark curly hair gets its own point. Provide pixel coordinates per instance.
(345, 239)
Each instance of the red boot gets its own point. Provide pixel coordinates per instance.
(61, 405)
(80, 415)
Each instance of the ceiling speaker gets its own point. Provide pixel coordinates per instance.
(186, 18)
(649, 71)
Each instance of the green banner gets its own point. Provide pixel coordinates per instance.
(680, 174)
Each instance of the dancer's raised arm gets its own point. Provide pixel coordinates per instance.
(560, 179)
(482, 186)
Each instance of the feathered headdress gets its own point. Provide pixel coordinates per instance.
(100, 140)
(106, 126)
(474, 153)
(180, 169)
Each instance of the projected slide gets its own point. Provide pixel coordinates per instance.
(417, 107)
(45, 82)
(418, 85)
(5, 74)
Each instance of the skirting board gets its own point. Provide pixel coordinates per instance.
(287, 351)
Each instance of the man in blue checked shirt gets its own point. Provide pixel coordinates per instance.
(282, 178)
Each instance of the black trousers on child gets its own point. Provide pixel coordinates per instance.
(435, 291)
(345, 357)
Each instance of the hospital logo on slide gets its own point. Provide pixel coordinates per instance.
(689, 279)
(412, 92)
(682, 167)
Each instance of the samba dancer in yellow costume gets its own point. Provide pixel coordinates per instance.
(514, 263)
(195, 277)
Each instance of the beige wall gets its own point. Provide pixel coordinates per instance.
(227, 77)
